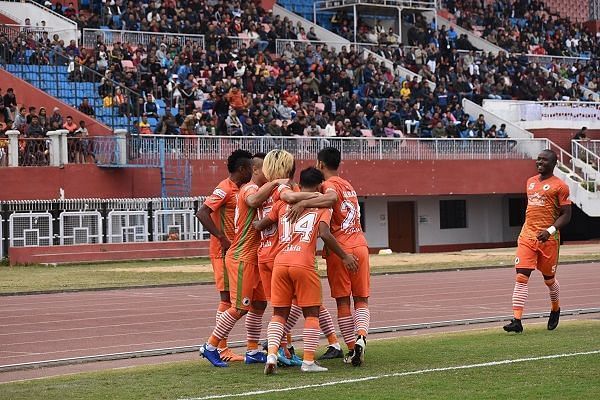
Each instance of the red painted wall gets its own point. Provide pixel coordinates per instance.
(4, 19)
(267, 4)
(381, 178)
(29, 95)
(562, 137)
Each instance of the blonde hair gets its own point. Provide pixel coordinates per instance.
(278, 164)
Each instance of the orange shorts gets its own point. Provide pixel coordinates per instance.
(220, 273)
(342, 282)
(532, 254)
(244, 283)
(299, 282)
(266, 271)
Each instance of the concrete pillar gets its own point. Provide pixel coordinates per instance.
(13, 148)
(54, 148)
(64, 146)
(121, 147)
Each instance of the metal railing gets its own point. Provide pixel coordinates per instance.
(585, 162)
(414, 4)
(547, 59)
(34, 152)
(4, 151)
(13, 31)
(111, 36)
(591, 145)
(146, 147)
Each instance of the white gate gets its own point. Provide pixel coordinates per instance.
(30, 229)
(174, 225)
(199, 232)
(80, 227)
(127, 226)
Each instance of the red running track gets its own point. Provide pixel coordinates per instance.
(53, 326)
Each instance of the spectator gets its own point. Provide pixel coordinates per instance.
(439, 131)
(313, 129)
(234, 125)
(70, 125)
(20, 122)
(501, 133)
(144, 126)
(3, 109)
(86, 108)
(31, 114)
(274, 129)
(150, 107)
(10, 101)
(56, 120)
(581, 135)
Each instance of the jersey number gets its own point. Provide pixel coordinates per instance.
(304, 227)
(352, 213)
(270, 231)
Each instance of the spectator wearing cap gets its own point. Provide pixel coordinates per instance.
(56, 120)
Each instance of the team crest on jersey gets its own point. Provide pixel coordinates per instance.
(531, 185)
(220, 193)
(517, 261)
(246, 301)
(546, 187)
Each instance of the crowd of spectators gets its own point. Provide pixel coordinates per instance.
(33, 124)
(530, 27)
(243, 88)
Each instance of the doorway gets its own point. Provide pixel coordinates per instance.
(401, 226)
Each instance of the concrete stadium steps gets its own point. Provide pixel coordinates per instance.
(107, 252)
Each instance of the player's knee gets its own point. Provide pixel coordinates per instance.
(522, 278)
(258, 305)
(241, 312)
(342, 301)
(225, 296)
(549, 280)
(361, 302)
(311, 311)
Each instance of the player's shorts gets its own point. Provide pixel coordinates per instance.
(533, 254)
(220, 273)
(299, 282)
(266, 271)
(342, 282)
(244, 283)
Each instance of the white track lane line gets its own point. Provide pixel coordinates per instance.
(395, 375)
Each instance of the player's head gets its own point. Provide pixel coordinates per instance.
(239, 165)
(258, 176)
(329, 158)
(279, 164)
(310, 179)
(546, 161)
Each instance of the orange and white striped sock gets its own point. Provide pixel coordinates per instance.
(520, 294)
(293, 317)
(362, 317)
(253, 328)
(275, 332)
(346, 323)
(326, 324)
(223, 306)
(554, 288)
(224, 326)
(310, 336)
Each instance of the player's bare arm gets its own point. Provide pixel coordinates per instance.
(255, 200)
(261, 225)
(326, 200)
(203, 215)
(564, 217)
(349, 260)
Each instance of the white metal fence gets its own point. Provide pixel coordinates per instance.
(111, 36)
(92, 221)
(363, 148)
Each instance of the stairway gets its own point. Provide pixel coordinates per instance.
(176, 178)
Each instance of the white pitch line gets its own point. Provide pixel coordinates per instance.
(394, 375)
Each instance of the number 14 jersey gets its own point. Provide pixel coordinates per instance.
(345, 220)
(297, 245)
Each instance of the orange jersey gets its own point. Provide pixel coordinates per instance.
(544, 199)
(268, 237)
(298, 241)
(345, 220)
(246, 241)
(222, 202)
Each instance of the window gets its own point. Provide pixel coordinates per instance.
(516, 211)
(453, 214)
(361, 205)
